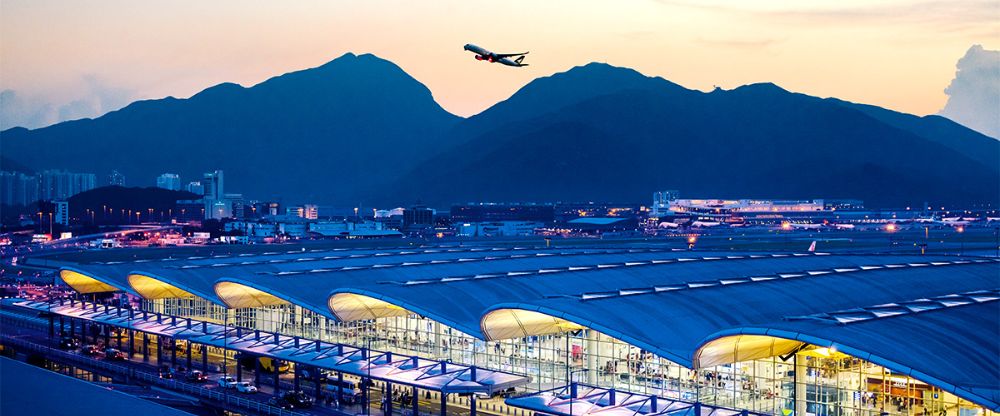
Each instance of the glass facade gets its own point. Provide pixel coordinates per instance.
(827, 383)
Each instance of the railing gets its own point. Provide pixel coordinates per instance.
(233, 400)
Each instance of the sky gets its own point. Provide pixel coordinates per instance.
(64, 60)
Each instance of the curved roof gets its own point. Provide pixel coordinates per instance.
(684, 306)
(313, 289)
(460, 301)
(952, 347)
(198, 274)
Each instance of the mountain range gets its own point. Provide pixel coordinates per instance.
(359, 130)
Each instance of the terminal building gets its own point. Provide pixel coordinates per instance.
(636, 330)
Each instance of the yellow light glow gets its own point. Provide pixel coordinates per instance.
(152, 288)
(85, 284)
(737, 348)
(349, 307)
(519, 323)
(236, 295)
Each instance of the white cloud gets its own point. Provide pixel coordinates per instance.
(974, 94)
(39, 110)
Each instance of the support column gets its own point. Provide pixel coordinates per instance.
(472, 405)
(316, 384)
(257, 369)
(295, 377)
(593, 351)
(204, 358)
(72, 327)
(107, 335)
(188, 343)
(415, 403)
(145, 347)
(444, 404)
(387, 398)
(52, 325)
(173, 352)
(131, 344)
(159, 350)
(800, 385)
(275, 364)
(239, 372)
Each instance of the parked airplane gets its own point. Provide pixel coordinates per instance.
(702, 224)
(492, 57)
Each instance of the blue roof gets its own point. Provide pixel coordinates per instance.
(666, 301)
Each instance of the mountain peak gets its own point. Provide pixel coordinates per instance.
(761, 88)
(352, 58)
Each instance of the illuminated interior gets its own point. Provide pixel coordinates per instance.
(237, 295)
(152, 288)
(85, 284)
(519, 323)
(350, 307)
(737, 348)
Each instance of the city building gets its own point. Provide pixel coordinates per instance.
(264, 209)
(18, 189)
(418, 221)
(61, 212)
(497, 228)
(661, 202)
(418, 215)
(171, 181)
(568, 211)
(235, 204)
(766, 211)
(213, 187)
(195, 187)
(59, 184)
(634, 330)
(116, 179)
(486, 212)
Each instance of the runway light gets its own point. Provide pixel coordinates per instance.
(890, 227)
(692, 239)
(786, 225)
(960, 229)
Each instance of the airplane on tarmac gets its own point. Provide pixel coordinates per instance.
(492, 57)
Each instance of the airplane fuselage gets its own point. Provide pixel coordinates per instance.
(491, 57)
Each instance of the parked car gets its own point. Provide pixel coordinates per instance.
(112, 354)
(196, 376)
(166, 372)
(280, 402)
(89, 349)
(227, 382)
(245, 387)
(298, 399)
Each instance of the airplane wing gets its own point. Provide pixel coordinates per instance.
(508, 55)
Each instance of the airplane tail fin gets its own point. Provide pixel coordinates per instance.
(812, 247)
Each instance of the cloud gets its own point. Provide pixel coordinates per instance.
(94, 99)
(974, 94)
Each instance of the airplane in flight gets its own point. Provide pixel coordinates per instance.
(503, 58)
